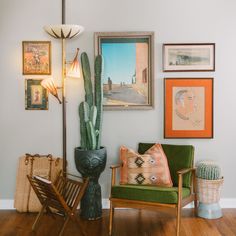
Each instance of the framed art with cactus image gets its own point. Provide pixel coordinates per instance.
(36, 97)
(36, 57)
(188, 108)
(129, 69)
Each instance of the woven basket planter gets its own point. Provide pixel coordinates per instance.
(208, 191)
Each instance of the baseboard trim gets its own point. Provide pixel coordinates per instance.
(8, 204)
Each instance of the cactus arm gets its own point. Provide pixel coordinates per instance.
(91, 135)
(87, 79)
(84, 116)
(93, 115)
(98, 97)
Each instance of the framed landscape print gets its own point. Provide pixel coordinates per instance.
(128, 69)
(188, 108)
(189, 57)
(36, 57)
(36, 97)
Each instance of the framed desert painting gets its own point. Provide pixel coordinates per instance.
(188, 108)
(189, 57)
(36, 57)
(128, 69)
(36, 97)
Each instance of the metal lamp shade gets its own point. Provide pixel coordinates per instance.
(64, 31)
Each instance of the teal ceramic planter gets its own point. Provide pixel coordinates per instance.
(91, 163)
(209, 211)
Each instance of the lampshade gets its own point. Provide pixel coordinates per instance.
(74, 70)
(51, 88)
(64, 31)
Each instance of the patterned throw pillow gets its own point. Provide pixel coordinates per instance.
(150, 168)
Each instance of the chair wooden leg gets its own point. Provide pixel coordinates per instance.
(38, 218)
(195, 205)
(111, 216)
(178, 220)
(194, 179)
(179, 204)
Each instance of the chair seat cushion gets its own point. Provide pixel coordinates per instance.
(148, 193)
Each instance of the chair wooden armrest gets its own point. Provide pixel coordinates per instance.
(113, 173)
(115, 166)
(184, 171)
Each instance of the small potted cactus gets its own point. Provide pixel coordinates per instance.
(90, 157)
(209, 183)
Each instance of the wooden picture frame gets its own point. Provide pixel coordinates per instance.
(188, 109)
(36, 97)
(128, 69)
(189, 57)
(36, 57)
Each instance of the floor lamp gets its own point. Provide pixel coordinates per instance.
(63, 32)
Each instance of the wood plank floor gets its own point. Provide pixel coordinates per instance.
(127, 223)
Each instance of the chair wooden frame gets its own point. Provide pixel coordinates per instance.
(64, 196)
(126, 203)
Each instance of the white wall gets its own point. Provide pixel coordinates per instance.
(173, 22)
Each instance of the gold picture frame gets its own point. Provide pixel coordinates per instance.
(36, 97)
(128, 69)
(36, 57)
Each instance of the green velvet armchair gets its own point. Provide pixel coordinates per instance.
(181, 161)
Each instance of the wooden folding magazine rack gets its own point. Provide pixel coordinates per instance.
(63, 196)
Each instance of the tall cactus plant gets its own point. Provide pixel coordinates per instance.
(90, 110)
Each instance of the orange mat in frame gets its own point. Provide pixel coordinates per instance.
(188, 108)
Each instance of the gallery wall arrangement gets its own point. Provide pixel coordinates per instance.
(155, 74)
(36, 60)
(188, 102)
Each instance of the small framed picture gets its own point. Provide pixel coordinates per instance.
(189, 57)
(36, 97)
(188, 108)
(129, 69)
(36, 57)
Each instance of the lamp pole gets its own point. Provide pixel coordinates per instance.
(62, 32)
(64, 95)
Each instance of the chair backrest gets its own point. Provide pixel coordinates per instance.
(179, 157)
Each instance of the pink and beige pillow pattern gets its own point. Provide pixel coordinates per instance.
(151, 168)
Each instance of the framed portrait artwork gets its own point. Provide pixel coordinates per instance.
(128, 69)
(189, 57)
(36, 57)
(36, 97)
(188, 108)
